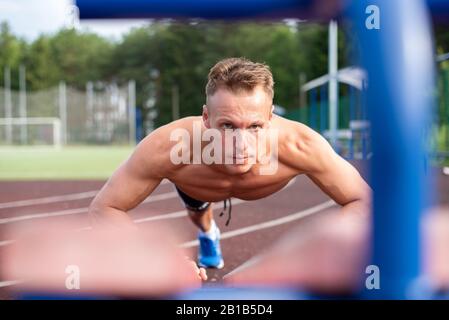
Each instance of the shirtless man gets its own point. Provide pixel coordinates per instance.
(239, 99)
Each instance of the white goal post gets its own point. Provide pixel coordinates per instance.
(29, 125)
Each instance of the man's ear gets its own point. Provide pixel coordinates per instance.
(271, 111)
(206, 119)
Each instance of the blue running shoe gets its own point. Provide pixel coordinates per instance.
(209, 254)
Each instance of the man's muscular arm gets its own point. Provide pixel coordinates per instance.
(328, 253)
(330, 172)
(132, 182)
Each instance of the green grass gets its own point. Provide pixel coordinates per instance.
(74, 163)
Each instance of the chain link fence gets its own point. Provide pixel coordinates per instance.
(100, 114)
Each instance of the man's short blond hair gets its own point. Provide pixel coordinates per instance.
(237, 74)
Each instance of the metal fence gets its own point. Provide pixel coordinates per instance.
(100, 114)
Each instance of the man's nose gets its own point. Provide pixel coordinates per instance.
(244, 141)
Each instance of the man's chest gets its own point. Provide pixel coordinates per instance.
(204, 183)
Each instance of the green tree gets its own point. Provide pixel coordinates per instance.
(42, 71)
(80, 57)
(11, 49)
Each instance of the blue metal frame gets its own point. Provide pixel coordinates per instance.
(216, 9)
(398, 59)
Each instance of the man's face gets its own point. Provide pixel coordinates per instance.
(242, 119)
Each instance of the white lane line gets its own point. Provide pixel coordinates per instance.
(10, 283)
(42, 215)
(153, 198)
(53, 199)
(172, 215)
(6, 242)
(268, 224)
(45, 200)
(183, 212)
(244, 265)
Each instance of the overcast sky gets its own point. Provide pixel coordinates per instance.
(30, 18)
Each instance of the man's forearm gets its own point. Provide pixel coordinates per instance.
(101, 215)
(361, 208)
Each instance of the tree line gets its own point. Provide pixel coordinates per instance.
(165, 54)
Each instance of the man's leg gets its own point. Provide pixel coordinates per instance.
(209, 253)
(202, 219)
(200, 212)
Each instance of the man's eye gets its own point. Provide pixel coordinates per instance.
(255, 127)
(227, 126)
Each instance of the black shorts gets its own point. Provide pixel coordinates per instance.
(191, 203)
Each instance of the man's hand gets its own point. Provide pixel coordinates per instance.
(201, 272)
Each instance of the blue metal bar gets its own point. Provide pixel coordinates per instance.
(244, 293)
(210, 9)
(399, 60)
(438, 5)
(218, 9)
(439, 10)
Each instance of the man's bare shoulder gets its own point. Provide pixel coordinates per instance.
(300, 145)
(153, 152)
(163, 133)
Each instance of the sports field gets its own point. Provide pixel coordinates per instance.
(68, 163)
